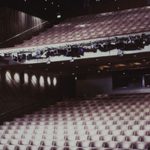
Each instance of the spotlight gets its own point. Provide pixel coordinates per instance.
(16, 77)
(8, 77)
(54, 81)
(72, 59)
(41, 81)
(48, 62)
(34, 80)
(48, 81)
(26, 78)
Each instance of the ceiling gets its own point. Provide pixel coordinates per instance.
(56, 10)
(50, 9)
(46, 9)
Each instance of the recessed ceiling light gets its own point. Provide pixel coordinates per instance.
(137, 63)
(120, 65)
(58, 16)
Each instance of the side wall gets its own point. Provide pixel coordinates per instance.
(13, 22)
(94, 86)
(134, 82)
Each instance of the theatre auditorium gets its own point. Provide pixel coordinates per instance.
(74, 74)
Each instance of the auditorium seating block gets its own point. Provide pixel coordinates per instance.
(106, 122)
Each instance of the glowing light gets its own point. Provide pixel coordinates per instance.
(48, 81)
(54, 81)
(8, 77)
(16, 77)
(41, 81)
(26, 78)
(58, 16)
(34, 80)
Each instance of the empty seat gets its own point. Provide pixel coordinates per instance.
(66, 128)
(126, 145)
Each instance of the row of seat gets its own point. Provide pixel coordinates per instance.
(104, 147)
(105, 122)
(94, 26)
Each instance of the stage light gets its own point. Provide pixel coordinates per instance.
(16, 77)
(54, 81)
(8, 77)
(72, 59)
(49, 81)
(48, 62)
(26, 78)
(41, 81)
(34, 80)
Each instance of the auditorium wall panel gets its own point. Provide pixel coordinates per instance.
(94, 86)
(13, 22)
